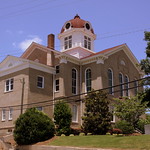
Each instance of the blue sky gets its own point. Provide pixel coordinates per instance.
(114, 21)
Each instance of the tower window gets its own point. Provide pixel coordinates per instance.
(68, 42)
(87, 42)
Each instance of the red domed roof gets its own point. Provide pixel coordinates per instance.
(77, 22)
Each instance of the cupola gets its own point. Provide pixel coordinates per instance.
(77, 37)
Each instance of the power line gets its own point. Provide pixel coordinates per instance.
(72, 97)
(105, 37)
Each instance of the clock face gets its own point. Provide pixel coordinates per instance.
(87, 26)
(67, 25)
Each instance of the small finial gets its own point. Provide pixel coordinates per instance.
(77, 16)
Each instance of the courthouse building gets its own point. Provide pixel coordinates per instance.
(42, 74)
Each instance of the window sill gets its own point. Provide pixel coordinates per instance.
(3, 120)
(75, 122)
(40, 87)
(56, 91)
(10, 119)
(8, 91)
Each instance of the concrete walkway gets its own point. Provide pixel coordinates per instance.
(46, 147)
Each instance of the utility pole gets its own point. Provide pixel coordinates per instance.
(22, 94)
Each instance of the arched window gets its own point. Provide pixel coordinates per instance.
(74, 113)
(88, 80)
(126, 85)
(121, 83)
(110, 81)
(135, 87)
(74, 81)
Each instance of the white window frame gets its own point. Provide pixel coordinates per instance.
(41, 82)
(10, 114)
(40, 108)
(3, 114)
(88, 79)
(74, 79)
(87, 42)
(111, 109)
(68, 42)
(112, 82)
(57, 85)
(10, 85)
(74, 113)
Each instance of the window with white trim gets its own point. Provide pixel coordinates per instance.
(110, 81)
(126, 86)
(87, 42)
(88, 80)
(56, 85)
(74, 81)
(121, 84)
(111, 110)
(40, 82)
(3, 114)
(10, 114)
(68, 42)
(74, 113)
(9, 85)
(40, 108)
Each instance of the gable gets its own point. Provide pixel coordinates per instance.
(13, 64)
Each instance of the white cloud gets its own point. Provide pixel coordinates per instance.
(26, 43)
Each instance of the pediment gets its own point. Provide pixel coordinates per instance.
(10, 62)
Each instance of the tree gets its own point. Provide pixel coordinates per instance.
(130, 109)
(62, 117)
(97, 118)
(33, 126)
(145, 66)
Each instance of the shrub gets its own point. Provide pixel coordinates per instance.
(82, 134)
(115, 131)
(62, 117)
(33, 126)
(126, 127)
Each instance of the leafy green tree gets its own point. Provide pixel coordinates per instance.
(130, 109)
(124, 126)
(97, 118)
(62, 117)
(33, 126)
(145, 66)
(145, 63)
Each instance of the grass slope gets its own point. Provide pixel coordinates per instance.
(105, 141)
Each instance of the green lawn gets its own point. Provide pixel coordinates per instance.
(105, 141)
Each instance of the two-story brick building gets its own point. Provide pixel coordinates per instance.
(43, 74)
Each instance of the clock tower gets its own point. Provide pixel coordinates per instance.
(77, 38)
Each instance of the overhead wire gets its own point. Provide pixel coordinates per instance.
(65, 98)
(105, 37)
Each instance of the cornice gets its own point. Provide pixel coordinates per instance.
(66, 33)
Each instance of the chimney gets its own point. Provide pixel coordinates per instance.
(51, 41)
